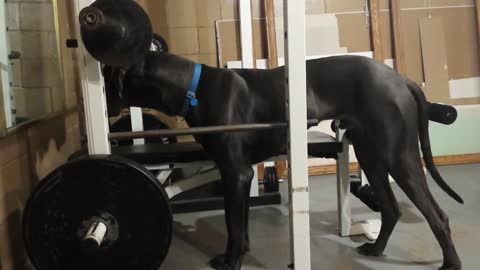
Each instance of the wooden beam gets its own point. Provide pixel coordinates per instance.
(439, 161)
(477, 4)
(398, 36)
(271, 34)
(375, 30)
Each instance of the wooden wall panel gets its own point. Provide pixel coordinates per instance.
(376, 31)
(434, 53)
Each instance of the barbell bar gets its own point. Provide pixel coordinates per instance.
(201, 130)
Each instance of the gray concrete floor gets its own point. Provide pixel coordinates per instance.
(200, 236)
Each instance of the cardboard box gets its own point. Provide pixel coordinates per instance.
(228, 38)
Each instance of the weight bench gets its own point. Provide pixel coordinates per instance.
(164, 158)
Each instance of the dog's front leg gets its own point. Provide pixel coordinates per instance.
(237, 181)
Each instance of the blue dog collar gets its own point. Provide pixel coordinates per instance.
(190, 99)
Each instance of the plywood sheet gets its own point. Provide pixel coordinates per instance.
(336, 6)
(434, 54)
(322, 35)
(228, 40)
(461, 42)
(354, 32)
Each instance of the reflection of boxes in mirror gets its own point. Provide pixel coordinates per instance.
(35, 77)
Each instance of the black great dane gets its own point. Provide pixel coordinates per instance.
(385, 113)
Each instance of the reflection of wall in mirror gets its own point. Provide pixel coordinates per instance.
(5, 114)
(35, 75)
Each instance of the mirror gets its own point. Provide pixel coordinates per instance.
(30, 61)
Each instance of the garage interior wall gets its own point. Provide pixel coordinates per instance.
(189, 27)
(32, 151)
(28, 153)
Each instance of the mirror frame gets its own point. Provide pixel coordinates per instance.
(4, 130)
(3, 122)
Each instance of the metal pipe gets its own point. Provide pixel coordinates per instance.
(95, 235)
(199, 130)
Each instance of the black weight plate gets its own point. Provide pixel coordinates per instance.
(270, 179)
(116, 32)
(95, 188)
(160, 43)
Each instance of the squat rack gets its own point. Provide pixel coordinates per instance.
(98, 128)
(295, 79)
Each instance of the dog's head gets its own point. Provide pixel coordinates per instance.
(117, 84)
(150, 84)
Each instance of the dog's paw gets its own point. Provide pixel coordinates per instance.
(449, 267)
(219, 263)
(369, 249)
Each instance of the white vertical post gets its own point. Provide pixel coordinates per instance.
(343, 186)
(95, 103)
(5, 66)
(246, 37)
(296, 82)
(136, 121)
(246, 33)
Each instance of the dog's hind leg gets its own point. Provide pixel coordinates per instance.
(237, 182)
(378, 179)
(409, 175)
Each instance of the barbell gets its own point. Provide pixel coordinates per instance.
(107, 212)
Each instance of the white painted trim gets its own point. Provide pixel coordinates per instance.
(465, 88)
(295, 52)
(246, 34)
(5, 68)
(136, 120)
(402, 9)
(95, 103)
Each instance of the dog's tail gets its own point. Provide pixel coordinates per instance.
(425, 139)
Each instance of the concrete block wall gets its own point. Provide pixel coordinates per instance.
(29, 153)
(35, 76)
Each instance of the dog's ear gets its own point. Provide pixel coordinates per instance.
(114, 87)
